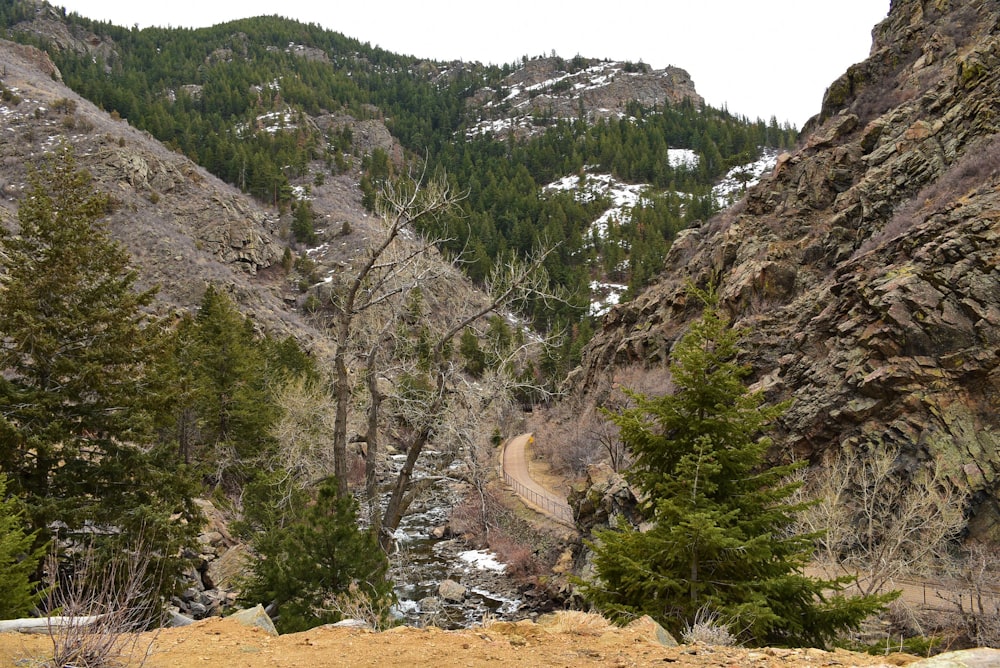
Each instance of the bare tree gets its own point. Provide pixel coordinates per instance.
(375, 282)
(509, 285)
(879, 522)
(409, 386)
(972, 589)
(303, 456)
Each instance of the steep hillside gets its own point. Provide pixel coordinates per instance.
(182, 226)
(866, 264)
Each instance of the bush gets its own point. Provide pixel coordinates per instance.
(708, 627)
(317, 554)
(104, 605)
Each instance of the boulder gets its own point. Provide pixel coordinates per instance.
(652, 629)
(980, 657)
(255, 617)
(450, 590)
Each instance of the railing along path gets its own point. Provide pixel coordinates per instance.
(530, 490)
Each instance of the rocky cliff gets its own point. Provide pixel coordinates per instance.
(866, 265)
(544, 89)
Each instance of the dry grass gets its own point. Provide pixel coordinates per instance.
(575, 622)
(710, 628)
(979, 164)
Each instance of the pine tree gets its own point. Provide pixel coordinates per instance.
(75, 343)
(314, 555)
(722, 535)
(18, 559)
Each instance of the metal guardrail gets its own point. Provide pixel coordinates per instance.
(560, 511)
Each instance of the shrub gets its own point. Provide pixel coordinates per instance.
(104, 605)
(314, 557)
(708, 627)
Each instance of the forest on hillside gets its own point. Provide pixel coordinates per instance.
(241, 99)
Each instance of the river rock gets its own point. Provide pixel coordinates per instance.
(429, 604)
(450, 590)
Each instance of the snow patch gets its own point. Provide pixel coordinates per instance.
(483, 560)
(736, 181)
(606, 295)
(682, 157)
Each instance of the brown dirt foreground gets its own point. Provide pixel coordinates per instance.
(566, 639)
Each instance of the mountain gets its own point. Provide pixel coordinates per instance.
(183, 227)
(544, 89)
(283, 110)
(865, 266)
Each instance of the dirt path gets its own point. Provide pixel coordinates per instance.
(515, 473)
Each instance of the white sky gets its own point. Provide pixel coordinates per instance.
(758, 57)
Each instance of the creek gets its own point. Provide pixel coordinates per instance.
(423, 562)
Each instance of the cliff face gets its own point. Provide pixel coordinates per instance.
(549, 88)
(866, 265)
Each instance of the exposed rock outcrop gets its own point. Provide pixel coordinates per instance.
(547, 88)
(183, 227)
(866, 265)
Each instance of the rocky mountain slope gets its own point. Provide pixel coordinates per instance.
(183, 227)
(866, 264)
(545, 89)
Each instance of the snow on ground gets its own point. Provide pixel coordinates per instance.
(483, 560)
(499, 125)
(605, 295)
(682, 157)
(738, 179)
(623, 196)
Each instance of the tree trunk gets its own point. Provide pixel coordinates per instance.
(371, 457)
(342, 394)
(397, 502)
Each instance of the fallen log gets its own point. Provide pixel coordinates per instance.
(46, 624)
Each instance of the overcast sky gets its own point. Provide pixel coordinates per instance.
(758, 57)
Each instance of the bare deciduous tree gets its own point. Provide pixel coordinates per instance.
(973, 576)
(403, 366)
(375, 282)
(879, 522)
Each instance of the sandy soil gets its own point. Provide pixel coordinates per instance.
(570, 639)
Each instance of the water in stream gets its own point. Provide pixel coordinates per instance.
(423, 562)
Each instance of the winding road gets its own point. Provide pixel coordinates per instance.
(515, 473)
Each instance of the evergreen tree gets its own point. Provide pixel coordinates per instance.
(721, 537)
(75, 343)
(302, 224)
(217, 387)
(314, 555)
(18, 559)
